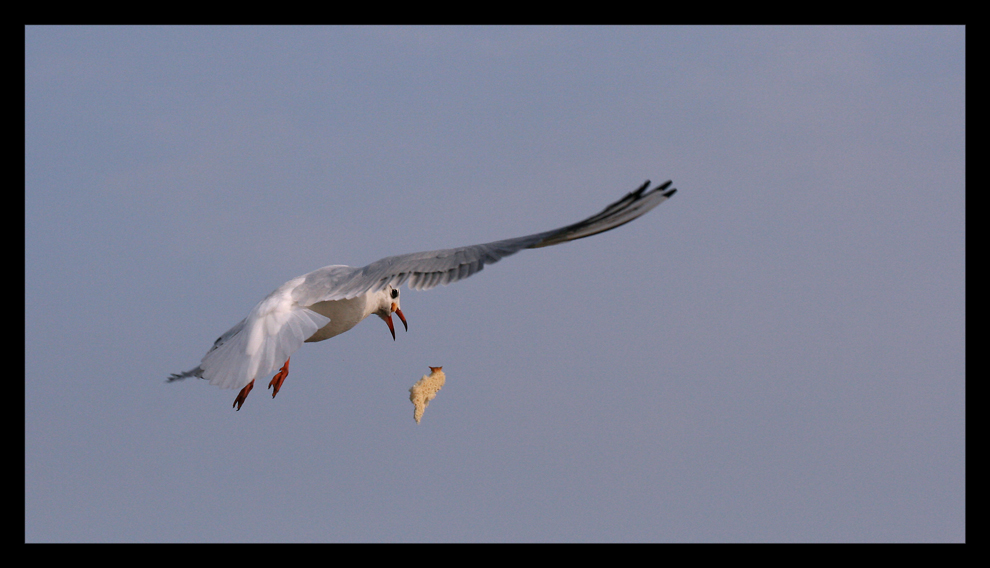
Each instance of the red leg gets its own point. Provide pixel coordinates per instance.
(279, 378)
(243, 394)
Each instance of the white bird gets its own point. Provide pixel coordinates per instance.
(333, 299)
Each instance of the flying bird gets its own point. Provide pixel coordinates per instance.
(331, 300)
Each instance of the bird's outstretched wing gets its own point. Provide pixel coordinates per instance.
(281, 322)
(425, 270)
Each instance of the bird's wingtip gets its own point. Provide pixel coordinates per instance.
(197, 372)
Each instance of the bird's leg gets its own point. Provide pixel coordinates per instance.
(279, 378)
(243, 394)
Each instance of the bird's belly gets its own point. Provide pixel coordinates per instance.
(343, 314)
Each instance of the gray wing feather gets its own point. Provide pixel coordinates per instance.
(425, 270)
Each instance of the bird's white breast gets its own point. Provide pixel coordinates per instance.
(343, 314)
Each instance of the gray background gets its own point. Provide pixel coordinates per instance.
(775, 354)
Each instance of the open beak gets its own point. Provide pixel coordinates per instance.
(388, 320)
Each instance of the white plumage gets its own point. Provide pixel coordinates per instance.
(331, 300)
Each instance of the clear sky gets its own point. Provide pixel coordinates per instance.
(777, 353)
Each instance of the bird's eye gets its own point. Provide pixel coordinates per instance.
(395, 293)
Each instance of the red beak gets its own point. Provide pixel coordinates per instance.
(388, 320)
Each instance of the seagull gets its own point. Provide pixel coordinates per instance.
(331, 300)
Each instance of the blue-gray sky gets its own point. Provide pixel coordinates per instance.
(775, 354)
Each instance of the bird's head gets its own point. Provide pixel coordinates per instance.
(388, 302)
